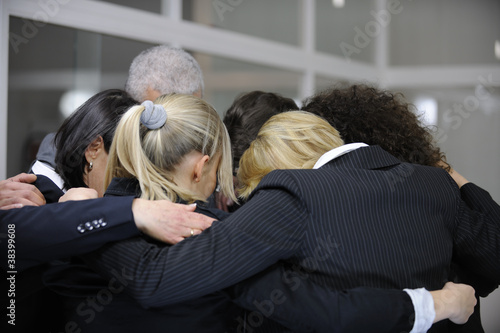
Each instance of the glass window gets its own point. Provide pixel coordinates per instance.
(226, 78)
(348, 31)
(277, 20)
(323, 83)
(466, 129)
(50, 74)
(154, 6)
(59, 68)
(444, 32)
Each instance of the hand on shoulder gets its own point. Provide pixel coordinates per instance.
(79, 193)
(167, 221)
(17, 191)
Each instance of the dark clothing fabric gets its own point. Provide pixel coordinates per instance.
(47, 150)
(363, 219)
(96, 304)
(50, 191)
(479, 200)
(54, 231)
(303, 307)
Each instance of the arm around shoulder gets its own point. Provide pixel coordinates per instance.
(66, 229)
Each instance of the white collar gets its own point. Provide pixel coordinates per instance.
(336, 152)
(42, 168)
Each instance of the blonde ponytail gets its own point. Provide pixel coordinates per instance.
(151, 155)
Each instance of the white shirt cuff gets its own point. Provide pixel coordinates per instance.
(424, 309)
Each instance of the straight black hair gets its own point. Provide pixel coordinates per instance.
(98, 116)
(248, 113)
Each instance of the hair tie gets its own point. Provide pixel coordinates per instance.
(154, 116)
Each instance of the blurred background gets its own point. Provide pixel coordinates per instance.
(443, 55)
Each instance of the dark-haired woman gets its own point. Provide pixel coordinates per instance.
(84, 139)
(82, 143)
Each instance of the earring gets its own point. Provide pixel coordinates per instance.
(91, 166)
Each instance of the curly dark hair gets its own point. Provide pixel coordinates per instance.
(363, 113)
(248, 113)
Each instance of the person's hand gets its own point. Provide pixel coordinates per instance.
(455, 302)
(223, 203)
(17, 191)
(459, 179)
(168, 222)
(79, 193)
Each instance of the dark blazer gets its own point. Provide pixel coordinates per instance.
(277, 293)
(55, 231)
(116, 311)
(364, 219)
(478, 200)
(60, 230)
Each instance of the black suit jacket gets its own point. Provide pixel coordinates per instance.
(49, 232)
(55, 231)
(364, 219)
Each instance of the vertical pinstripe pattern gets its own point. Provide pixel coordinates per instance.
(363, 219)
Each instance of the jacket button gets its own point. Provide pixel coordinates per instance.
(88, 226)
(80, 228)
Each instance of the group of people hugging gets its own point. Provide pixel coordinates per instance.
(147, 212)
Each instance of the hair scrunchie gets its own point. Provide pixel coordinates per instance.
(154, 116)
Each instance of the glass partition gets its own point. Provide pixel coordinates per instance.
(432, 32)
(277, 20)
(53, 73)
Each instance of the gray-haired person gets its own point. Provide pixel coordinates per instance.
(163, 70)
(154, 72)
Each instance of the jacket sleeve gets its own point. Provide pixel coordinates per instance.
(251, 240)
(480, 202)
(292, 300)
(61, 230)
(477, 237)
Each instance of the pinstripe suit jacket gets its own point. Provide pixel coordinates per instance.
(364, 219)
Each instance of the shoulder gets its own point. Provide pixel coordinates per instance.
(120, 187)
(48, 188)
(211, 212)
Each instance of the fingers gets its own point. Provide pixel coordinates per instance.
(17, 205)
(176, 240)
(189, 208)
(20, 199)
(194, 220)
(27, 178)
(12, 191)
(79, 193)
(192, 232)
(199, 221)
(168, 222)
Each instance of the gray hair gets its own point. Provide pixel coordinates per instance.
(165, 69)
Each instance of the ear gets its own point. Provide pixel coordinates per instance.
(198, 168)
(94, 149)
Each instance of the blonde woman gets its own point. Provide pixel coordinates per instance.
(294, 140)
(177, 150)
(302, 218)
